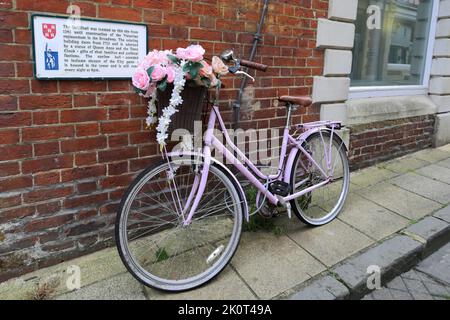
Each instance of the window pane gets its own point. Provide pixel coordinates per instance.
(391, 42)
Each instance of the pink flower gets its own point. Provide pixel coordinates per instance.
(207, 70)
(170, 74)
(219, 67)
(192, 53)
(140, 79)
(159, 73)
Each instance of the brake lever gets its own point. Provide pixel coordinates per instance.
(245, 74)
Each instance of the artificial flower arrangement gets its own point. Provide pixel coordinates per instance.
(161, 68)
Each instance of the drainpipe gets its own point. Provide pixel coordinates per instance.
(257, 39)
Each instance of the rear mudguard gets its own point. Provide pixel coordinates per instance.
(294, 151)
(230, 175)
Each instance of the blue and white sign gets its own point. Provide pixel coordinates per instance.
(65, 48)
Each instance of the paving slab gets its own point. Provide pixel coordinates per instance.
(432, 155)
(324, 288)
(370, 176)
(432, 231)
(445, 148)
(396, 199)
(330, 243)
(431, 189)
(400, 252)
(120, 287)
(94, 267)
(444, 163)
(443, 214)
(436, 172)
(271, 264)
(370, 218)
(438, 265)
(403, 165)
(226, 286)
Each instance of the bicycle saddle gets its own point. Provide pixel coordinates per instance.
(300, 100)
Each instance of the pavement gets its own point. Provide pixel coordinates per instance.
(429, 280)
(396, 218)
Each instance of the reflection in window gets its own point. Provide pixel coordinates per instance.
(391, 42)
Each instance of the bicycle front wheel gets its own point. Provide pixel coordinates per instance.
(323, 204)
(153, 243)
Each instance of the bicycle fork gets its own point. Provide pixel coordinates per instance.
(198, 188)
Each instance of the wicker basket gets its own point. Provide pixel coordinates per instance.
(191, 109)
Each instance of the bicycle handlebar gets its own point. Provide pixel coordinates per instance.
(254, 65)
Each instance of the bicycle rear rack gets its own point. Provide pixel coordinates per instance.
(336, 125)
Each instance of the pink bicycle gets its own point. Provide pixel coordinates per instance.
(180, 222)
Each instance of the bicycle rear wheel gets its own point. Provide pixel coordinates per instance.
(321, 205)
(153, 243)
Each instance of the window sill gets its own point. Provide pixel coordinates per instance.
(386, 91)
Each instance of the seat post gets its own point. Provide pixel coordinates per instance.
(289, 115)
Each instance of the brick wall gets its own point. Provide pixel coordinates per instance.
(380, 141)
(69, 148)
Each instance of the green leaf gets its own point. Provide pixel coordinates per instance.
(206, 82)
(193, 72)
(163, 85)
(150, 71)
(173, 59)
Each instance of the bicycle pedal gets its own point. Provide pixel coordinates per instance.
(280, 188)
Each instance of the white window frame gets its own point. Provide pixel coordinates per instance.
(405, 90)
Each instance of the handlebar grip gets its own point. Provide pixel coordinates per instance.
(254, 65)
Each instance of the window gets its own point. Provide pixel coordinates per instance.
(392, 43)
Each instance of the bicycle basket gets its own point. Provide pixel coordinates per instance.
(189, 111)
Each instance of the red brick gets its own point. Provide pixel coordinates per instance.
(84, 115)
(46, 148)
(9, 169)
(9, 136)
(113, 155)
(12, 214)
(205, 35)
(15, 152)
(84, 201)
(39, 86)
(154, 4)
(120, 14)
(7, 70)
(84, 159)
(47, 133)
(8, 103)
(87, 187)
(47, 164)
(84, 130)
(83, 173)
(15, 52)
(46, 179)
(46, 6)
(11, 19)
(48, 223)
(87, 144)
(38, 195)
(23, 36)
(45, 117)
(24, 69)
(121, 126)
(14, 183)
(12, 86)
(181, 19)
(45, 102)
(15, 119)
(82, 86)
(84, 101)
(12, 201)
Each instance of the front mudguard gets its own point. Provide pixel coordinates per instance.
(293, 154)
(230, 175)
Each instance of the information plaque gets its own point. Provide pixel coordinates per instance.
(65, 48)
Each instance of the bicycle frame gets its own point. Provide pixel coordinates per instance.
(284, 172)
